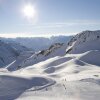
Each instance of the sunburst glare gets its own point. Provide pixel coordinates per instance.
(29, 11)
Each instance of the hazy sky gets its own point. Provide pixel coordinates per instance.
(51, 17)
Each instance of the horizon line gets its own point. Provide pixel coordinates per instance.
(30, 35)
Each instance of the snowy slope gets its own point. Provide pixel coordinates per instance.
(9, 52)
(68, 64)
(91, 57)
(84, 41)
(59, 78)
(19, 48)
(53, 74)
(28, 58)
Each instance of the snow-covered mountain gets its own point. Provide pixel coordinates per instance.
(38, 43)
(9, 52)
(63, 71)
(58, 49)
(84, 41)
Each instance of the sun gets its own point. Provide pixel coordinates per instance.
(29, 11)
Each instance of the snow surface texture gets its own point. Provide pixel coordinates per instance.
(59, 76)
(9, 52)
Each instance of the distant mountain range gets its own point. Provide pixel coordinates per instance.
(12, 48)
(9, 52)
(38, 43)
(80, 43)
(63, 71)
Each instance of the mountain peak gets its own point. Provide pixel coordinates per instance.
(84, 41)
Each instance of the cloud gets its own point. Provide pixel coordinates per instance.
(47, 35)
(65, 24)
(14, 35)
(57, 28)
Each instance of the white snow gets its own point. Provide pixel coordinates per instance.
(70, 78)
(58, 76)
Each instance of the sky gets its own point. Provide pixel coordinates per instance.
(50, 17)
